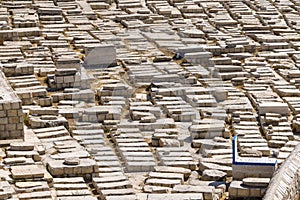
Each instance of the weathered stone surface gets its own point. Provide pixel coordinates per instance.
(100, 56)
(21, 146)
(212, 175)
(203, 166)
(256, 182)
(142, 97)
(72, 161)
(27, 172)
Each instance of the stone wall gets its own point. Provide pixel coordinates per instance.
(11, 114)
(285, 183)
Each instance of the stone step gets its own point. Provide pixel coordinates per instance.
(222, 161)
(167, 153)
(113, 185)
(27, 154)
(91, 142)
(106, 158)
(247, 140)
(144, 166)
(163, 182)
(256, 182)
(68, 186)
(88, 137)
(175, 159)
(133, 158)
(18, 161)
(249, 145)
(265, 150)
(129, 140)
(76, 198)
(100, 153)
(57, 139)
(123, 197)
(210, 144)
(108, 164)
(156, 189)
(276, 143)
(110, 171)
(212, 152)
(72, 154)
(110, 179)
(50, 129)
(119, 192)
(68, 180)
(88, 132)
(35, 195)
(186, 164)
(27, 187)
(135, 144)
(179, 170)
(166, 175)
(52, 134)
(134, 149)
(136, 154)
(77, 192)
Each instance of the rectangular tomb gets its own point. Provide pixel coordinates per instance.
(100, 56)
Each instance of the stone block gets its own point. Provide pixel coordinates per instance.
(244, 171)
(273, 107)
(26, 172)
(100, 56)
(22, 146)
